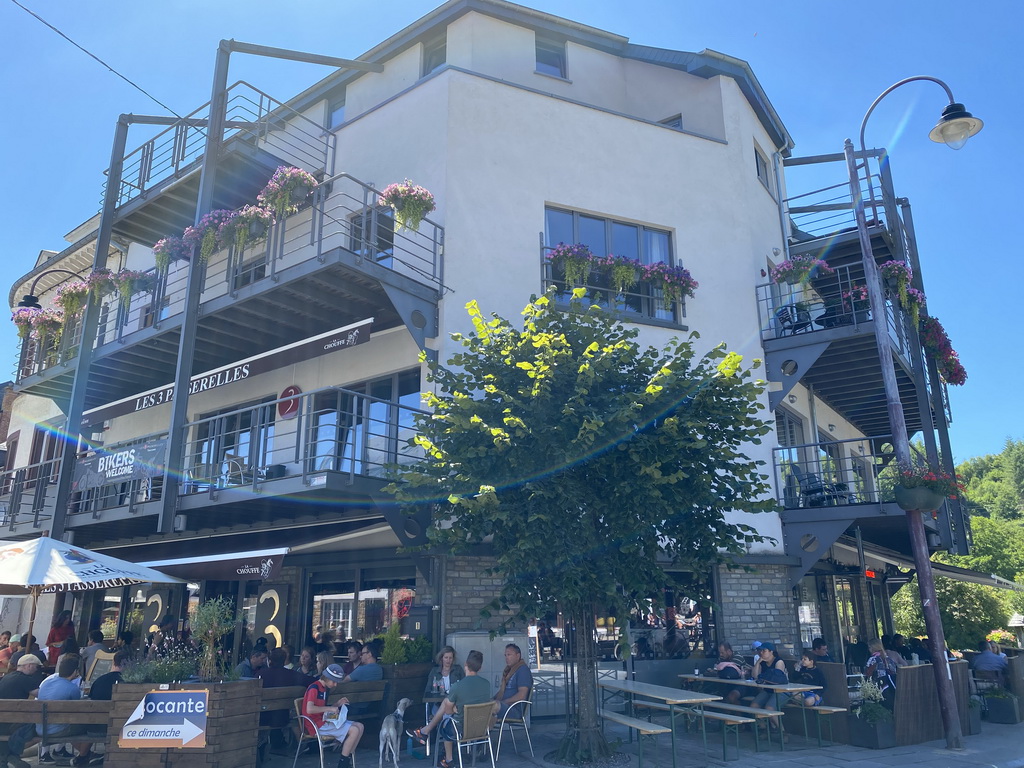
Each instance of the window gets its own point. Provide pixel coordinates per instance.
(245, 432)
(336, 112)
(373, 234)
(250, 271)
(607, 236)
(551, 58)
(763, 171)
(434, 55)
(790, 431)
(357, 429)
(676, 121)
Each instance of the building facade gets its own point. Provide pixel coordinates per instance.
(300, 368)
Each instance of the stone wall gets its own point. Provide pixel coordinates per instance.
(468, 588)
(756, 603)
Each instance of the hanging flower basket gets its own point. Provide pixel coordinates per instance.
(286, 190)
(72, 296)
(800, 269)
(574, 261)
(622, 273)
(900, 274)
(935, 340)
(247, 226)
(100, 283)
(48, 323)
(128, 282)
(205, 237)
(22, 319)
(921, 488)
(410, 202)
(169, 249)
(674, 282)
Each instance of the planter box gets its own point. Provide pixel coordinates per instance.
(232, 727)
(973, 721)
(871, 735)
(1004, 709)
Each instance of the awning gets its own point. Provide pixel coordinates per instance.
(257, 565)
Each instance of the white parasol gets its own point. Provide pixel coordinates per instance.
(35, 566)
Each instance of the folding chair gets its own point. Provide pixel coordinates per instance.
(305, 737)
(517, 717)
(476, 724)
(792, 319)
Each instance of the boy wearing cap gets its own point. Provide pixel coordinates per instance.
(316, 708)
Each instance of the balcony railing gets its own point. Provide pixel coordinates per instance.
(253, 117)
(132, 491)
(344, 214)
(327, 430)
(786, 310)
(27, 494)
(644, 302)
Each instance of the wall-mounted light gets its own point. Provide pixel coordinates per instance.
(777, 251)
(831, 427)
(792, 398)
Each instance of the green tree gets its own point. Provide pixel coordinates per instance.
(586, 462)
(969, 611)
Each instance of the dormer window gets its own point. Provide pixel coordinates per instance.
(435, 54)
(551, 57)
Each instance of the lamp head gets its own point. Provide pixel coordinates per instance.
(30, 301)
(955, 126)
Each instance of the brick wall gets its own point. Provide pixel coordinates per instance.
(757, 604)
(468, 589)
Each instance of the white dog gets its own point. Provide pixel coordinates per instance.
(390, 731)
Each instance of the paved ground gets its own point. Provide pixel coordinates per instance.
(998, 746)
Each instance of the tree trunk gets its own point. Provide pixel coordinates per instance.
(584, 740)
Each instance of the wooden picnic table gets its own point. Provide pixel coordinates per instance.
(673, 697)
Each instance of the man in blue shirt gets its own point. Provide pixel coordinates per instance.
(368, 668)
(57, 687)
(516, 680)
(986, 661)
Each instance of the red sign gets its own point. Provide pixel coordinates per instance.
(289, 409)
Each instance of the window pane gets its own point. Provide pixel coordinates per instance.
(551, 58)
(626, 240)
(656, 247)
(434, 55)
(592, 235)
(558, 227)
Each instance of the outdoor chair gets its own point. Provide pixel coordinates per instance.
(304, 737)
(516, 718)
(476, 723)
(239, 473)
(792, 319)
(816, 493)
(203, 477)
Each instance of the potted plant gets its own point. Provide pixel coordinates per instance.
(206, 235)
(1003, 706)
(914, 303)
(249, 224)
(622, 273)
(921, 488)
(800, 269)
(128, 282)
(287, 188)
(168, 249)
(973, 715)
(899, 273)
(871, 723)
(48, 323)
(856, 300)
(22, 319)
(574, 262)
(410, 202)
(674, 282)
(71, 296)
(210, 621)
(936, 341)
(100, 283)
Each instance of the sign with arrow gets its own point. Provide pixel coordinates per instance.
(167, 719)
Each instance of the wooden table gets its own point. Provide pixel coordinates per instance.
(673, 697)
(778, 688)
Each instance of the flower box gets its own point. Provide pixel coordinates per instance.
(918, 498)
(877, 735)
(1003, 709)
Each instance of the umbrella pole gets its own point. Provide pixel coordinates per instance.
(32, 618)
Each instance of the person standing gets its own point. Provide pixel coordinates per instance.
(61, 630)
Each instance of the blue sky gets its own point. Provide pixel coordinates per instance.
(821, 64)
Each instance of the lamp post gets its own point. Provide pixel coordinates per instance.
(954, 128)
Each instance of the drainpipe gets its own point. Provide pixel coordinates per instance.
(783, 224)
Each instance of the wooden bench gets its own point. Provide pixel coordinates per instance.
(17, 712)
(757, 714)
(642, 727)
(821, 712)
(730, 723)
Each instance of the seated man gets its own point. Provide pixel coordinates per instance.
(88, 653)
(257, 660)
(58, 687)
(472, 689)
(368, 670)
(276, 675)
(516, 680)
(103, 686)
(316, 708)
(19, 684)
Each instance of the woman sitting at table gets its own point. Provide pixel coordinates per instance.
(442, 676)
(807, 673)
(769, 670)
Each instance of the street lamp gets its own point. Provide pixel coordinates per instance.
(954, 128)
(30, 300)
